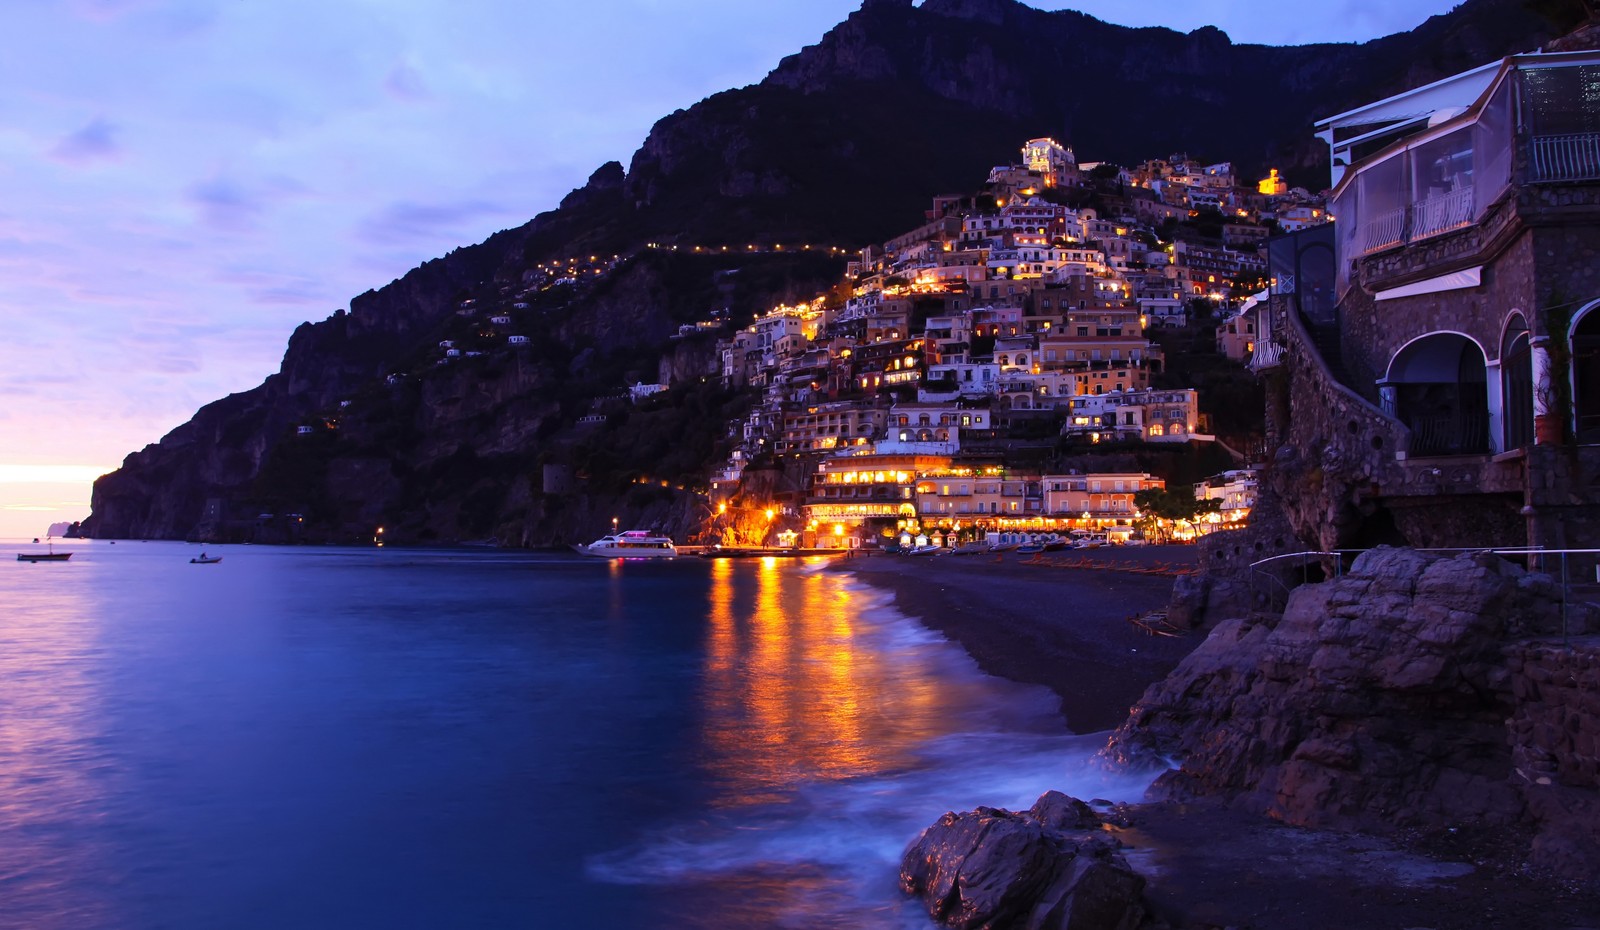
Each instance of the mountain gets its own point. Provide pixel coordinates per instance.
(841, 145)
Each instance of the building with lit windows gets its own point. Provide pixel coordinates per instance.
(868, 489)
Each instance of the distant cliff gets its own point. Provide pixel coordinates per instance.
(842, 144)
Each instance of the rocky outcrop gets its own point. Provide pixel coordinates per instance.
(1051, 867)
(1382, 699)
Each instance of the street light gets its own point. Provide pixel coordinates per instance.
(613, 526)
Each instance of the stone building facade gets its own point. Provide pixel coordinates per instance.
(1433, 358)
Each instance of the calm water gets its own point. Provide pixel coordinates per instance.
(305, 738)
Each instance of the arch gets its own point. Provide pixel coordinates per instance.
(1584, 339)
(1440, 383)
(924, 435)
(1516, 383)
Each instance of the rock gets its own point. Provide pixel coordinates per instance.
(1416, 691)
(1048, 868)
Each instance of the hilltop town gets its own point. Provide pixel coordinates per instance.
(959, 382)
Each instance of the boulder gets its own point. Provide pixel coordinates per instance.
(1375, 701)
(1052, 867)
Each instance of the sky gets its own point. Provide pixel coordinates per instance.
(182, 182)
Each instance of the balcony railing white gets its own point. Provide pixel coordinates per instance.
(1384, 230)
(1441, 214)
(1572, 157)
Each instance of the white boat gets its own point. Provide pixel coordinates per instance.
(634, 544)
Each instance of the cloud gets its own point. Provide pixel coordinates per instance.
(94, 142)
(225, 205)
(106, 11)
(176, 365)
(405, 222)
(405, 83)
(228, 205)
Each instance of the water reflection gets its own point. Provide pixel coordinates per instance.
(51, 771)
(791, 691)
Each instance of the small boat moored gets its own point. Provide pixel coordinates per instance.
(49, 555)
(633, 544)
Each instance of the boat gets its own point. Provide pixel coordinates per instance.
(929, 549)
(633, 544)
(204, 559)
(1030, 549)
(49, 556)
(971, 548)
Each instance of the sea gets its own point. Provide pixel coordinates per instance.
(401, 738)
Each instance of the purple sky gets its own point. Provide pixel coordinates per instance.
(182, 182)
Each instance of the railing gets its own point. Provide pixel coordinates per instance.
(1573, 157)
(1539, 559)
(1384, 231)
(1419, 220)
(1441, 214)
(1458, 433)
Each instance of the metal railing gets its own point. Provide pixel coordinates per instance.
(1555, 562)
(1419, 220)
(1571, 157)
(1442, 213)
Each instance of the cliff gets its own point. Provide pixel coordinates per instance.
(842, 144)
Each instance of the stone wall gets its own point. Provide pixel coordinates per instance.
(1555, 727)
(1555, 747)
(1373, 332)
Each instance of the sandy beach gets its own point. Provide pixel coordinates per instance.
(1062, 620)
(1040, 619)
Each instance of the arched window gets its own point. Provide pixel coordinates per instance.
(1516, 384)
(1441, 394)
(1586, 373)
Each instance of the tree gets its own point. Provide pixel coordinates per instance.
(1161, 509)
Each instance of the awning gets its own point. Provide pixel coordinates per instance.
(1455, 280)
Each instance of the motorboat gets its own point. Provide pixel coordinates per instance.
(204, 559)
(633, 544)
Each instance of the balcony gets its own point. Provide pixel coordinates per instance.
(1570, 157)
(1536, 121)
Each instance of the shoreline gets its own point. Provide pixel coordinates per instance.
(1037, 621)
(1207, 866)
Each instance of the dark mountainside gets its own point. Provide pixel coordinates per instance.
(843, 144)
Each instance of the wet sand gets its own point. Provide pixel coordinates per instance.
(1034, 619)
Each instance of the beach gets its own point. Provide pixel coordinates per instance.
(1042, 619)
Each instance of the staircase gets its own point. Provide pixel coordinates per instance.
(1325, 337)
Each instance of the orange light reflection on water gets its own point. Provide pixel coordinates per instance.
(792, 691)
